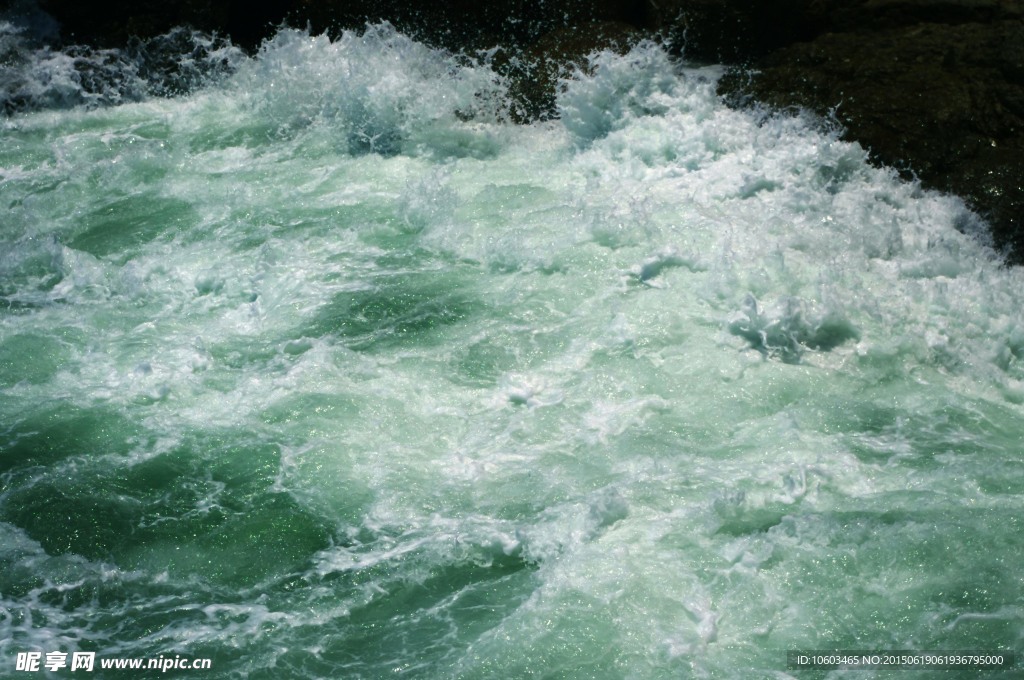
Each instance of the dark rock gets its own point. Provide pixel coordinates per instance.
(456, 24)
(465, 25)
(110, 23)
(733, 31)
(745, 30)
(870, 15)
(943, 102)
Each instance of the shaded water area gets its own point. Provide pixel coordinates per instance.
(326, 370)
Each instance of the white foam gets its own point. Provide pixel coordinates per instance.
(676, 384)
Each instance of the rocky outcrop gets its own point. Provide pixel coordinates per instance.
(943, 102)
(732, 31)
(111, 23)
(934, 88)
(457, 24)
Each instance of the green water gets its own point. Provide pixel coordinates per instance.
(328, 372)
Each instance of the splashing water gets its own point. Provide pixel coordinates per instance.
(36, 77)
(329, 371)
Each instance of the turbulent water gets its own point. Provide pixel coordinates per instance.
(325, 370)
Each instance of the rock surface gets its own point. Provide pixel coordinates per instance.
(932, 87)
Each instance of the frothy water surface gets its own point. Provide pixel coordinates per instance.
(329, 371)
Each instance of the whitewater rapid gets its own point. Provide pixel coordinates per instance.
(325, 369)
